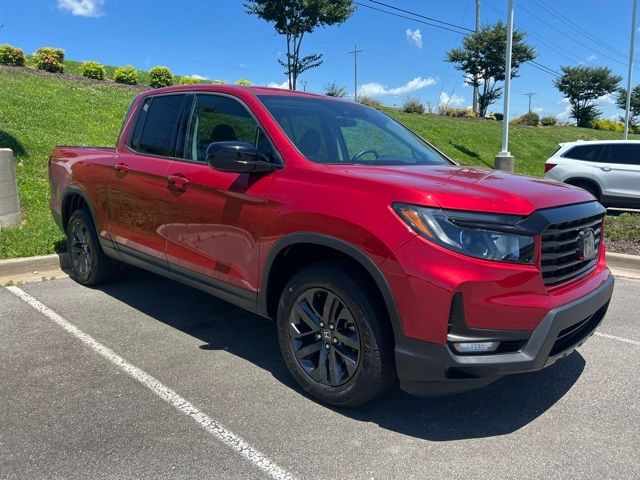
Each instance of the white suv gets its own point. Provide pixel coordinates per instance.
(608, 169)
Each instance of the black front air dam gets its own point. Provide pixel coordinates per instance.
(429, 369)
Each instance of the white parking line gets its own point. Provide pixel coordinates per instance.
(172, 398)
(619, 339)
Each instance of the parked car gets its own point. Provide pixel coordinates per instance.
(608, 169)
(378, 257)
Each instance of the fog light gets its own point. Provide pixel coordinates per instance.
(475, 347)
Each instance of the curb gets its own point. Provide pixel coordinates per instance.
(623, 260)
(44, 263)
(60, 261)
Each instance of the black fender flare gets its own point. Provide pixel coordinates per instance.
(342, 246)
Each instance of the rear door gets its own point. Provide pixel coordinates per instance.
(621, 170)
(214, 219)
(138, 184)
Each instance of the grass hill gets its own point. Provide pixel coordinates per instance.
(38, 112)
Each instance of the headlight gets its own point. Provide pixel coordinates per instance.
(486, 236)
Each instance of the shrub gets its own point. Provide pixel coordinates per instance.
(160, 77)
(498, 116)
(606, 124)
(244, 82)
(333, 90)
(457, 112)
(369, 102)
(530, 119)
(49, 59)
(189, 81)
(413, 105)
(10, 55)
(549, 121)
(93, 70)
(127, 75)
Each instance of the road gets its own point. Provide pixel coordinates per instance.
(147, 378)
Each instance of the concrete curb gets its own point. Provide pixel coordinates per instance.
(44, 263)
(622, 260)
(60, 261)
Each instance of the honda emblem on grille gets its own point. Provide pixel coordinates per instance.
(586, 244)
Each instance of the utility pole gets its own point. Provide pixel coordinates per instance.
(530, 94)
(504, 160)
(631, 48)
(475, 76)
(304, 85)
(355, 53)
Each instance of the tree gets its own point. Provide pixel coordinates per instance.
(482, 58)
(634, 110)
(582, 86)
(294, 19)
(332, 90)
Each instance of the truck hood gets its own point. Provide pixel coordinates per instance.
(469, 188)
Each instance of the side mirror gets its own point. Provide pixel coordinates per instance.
(237, 157)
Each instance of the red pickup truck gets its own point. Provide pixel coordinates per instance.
(377, 256)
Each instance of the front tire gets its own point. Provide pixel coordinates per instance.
(334, 335)
(89, 264)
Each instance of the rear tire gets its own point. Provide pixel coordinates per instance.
(334, 335)
(89, 264)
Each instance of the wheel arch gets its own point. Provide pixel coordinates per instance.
(577, 181)
(281, 263)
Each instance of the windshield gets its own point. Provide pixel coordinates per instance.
(331, 131)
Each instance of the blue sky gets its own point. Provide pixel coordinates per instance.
(216, 39)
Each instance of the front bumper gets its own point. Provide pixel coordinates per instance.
(428, 369)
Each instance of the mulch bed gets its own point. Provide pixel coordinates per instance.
(75, 78)
(622, 246)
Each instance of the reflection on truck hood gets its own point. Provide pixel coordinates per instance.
(452, 187)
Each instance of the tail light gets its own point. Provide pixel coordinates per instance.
(549, 166)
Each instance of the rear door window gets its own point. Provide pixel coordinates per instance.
(158, 125)
(623, 154)
(589, 153)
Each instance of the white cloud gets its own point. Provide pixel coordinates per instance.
(453, 101)
(415, 37)
(605, 100)
(284, 85)
(377, 89)
(591, 57)
(198, 77)
(82, 8)
(537, 109)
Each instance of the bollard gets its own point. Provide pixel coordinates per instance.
(9, 200)
(504, 162)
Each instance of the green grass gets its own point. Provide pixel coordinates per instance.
(37, 113)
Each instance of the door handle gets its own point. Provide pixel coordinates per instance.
(605, 169)
(178, 182)
(122, 167)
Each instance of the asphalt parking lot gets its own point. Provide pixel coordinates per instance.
(147, 378)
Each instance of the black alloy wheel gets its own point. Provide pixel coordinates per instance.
(324, 337)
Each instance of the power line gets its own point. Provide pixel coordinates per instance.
(421, 16)
(578, 28)
(413, 19)
(464, 31)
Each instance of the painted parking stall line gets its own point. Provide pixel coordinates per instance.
(619, 339)
(212, 427)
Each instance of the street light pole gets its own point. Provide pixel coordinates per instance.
(631, 48)
(504, 160)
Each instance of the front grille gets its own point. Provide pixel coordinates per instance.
(561, 260)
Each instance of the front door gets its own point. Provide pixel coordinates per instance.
(214, 219)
